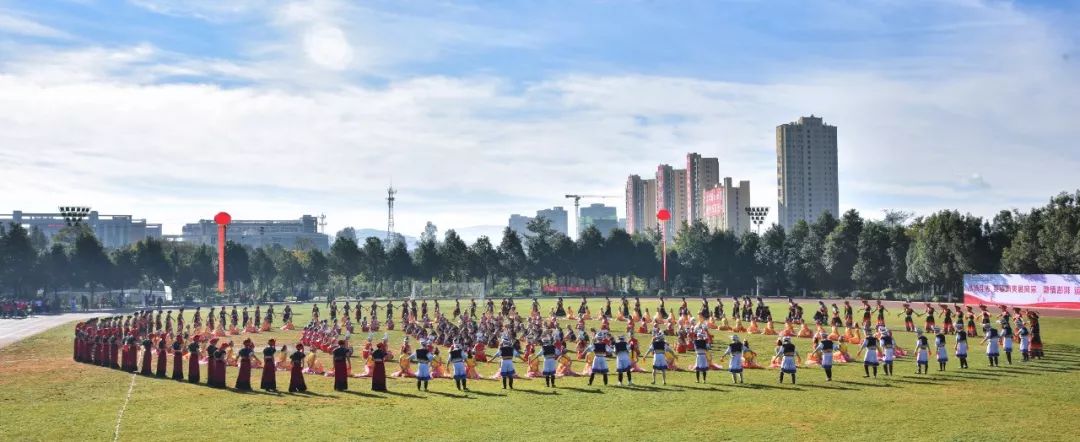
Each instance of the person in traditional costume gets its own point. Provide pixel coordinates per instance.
(622, 360)
(193, 360)
(599, 350)
(870, 347)
(961, 345)
(735, 351)
(939, 348)
(147, 356)
(243, 376)
(218, 376)
(659, 350)
(992, 341)
(701, 357)
(888, 350)
(161, 357)
(1035, 327)
(296, 378)
(456, 361)
(1006, 339)
(922, 353)
(506, 354)
(1025, 341)
(824, 349)
(178, 358)
(269, 369)
(341, 366)
(423, 357)
(550, 352)
(789, 359)
(378, 368)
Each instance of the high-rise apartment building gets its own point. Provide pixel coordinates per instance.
(558, 217)
(671, 195)
(725, 207)
(520, 225)
(806, 171)
(701, 174)
(604, 218)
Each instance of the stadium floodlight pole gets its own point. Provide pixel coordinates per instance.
(757, 216)
(663, 215)
(73, 215)
(222, 219)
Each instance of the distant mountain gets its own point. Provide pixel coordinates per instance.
(468, 234)
(363, 234)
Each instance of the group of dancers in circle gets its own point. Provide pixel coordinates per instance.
(144, 341)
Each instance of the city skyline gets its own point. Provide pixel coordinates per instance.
(173, 111)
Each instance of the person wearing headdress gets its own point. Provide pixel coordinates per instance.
(507, 352)
(456, 361)
(789, 359)
(269, 369)
(1007, 339)
(922, 353)
(888, 350)
(147, 356)
(296, 378)
(735, 351)
(939, 348)
(908, 312)
(217, 377)
(551, 354)
(599, 350)
(870, 346)
(193, 360)
(622, 360)
(422, 356)
(659, 350)
(161, 357)
(701, 357)
(1025, 340)
(961, 346)
(178, 358)
(243, 376)
(991, 339)
(341, 367)
(378, 367)
(825, 348)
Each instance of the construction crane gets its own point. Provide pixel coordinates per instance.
(577, 205)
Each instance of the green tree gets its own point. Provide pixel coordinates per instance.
(262, 270)
(841, 250)
(345, 261)
(90, 262)
(150, 261)
(618, 256)
(399, 264)
(873, 265)
(771, 259)
(483, 260)
(590, 245)
(374, 259)
(692, 245)
(512, 257)
(317, 269)
(17, 260)
(796, 265)
(454, 257)
(237, 264)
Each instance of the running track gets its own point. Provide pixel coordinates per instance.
(14, 330)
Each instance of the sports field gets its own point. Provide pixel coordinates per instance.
(44, 395)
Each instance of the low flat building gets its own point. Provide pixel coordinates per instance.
(294, 234)
(112, 230)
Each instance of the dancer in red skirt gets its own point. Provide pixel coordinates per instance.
(193, 360)
(341, 366)
(269, 374)
(296, 380)
(178, 359)
(160, 357)
(147, 346)
(217, 375)
(378, 368)
(243, 378)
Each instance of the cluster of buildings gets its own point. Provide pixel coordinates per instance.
(806, 178)
(122, 230)
(557, 215)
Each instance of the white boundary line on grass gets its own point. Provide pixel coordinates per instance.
(120, 416)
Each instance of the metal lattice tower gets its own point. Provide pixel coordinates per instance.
(390, 192)
(322, 223)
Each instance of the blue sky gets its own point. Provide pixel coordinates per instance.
(173, 110)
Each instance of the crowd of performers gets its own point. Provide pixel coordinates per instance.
(489, 334)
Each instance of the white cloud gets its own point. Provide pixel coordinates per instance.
(13, 24)
(328, 47)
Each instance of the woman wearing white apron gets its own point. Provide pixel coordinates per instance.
(870, 360)
(825, 348)
(1025, 342)
(701, 359)
(788, 364)
(622, 360)
(735, 364)
(659, 350)
(599, 350)
(961, 345)
(457, 362)
(1007, 340)
(550, 354)
(942, 352)
(991, 338)
(922, 353)
(423, 370)
(507, 352)
(888, 351)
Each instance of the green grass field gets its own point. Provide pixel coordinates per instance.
(44, 395)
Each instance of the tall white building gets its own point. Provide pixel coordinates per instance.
(701, 174)
(806, 176)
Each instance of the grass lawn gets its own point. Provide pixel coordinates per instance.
(44, 395)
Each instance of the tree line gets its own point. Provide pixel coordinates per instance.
(841, 256)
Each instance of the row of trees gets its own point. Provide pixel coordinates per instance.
(841, 255)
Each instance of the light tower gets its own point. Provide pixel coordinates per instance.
(390, 192)
(757, 216)
(73, 215)
(322, 223)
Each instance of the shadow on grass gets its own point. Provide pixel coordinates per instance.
(692, 387)
(484, 393)
(766, 387)
(538, 393)
(867, 384)
(450, 395)
(826, 387)
(916, 381)
(650, 388)
(583, 390)
(313, 394)
(357, 393)
(398, 393)
(263, 392)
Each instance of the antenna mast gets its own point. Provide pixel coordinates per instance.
(390, 192)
